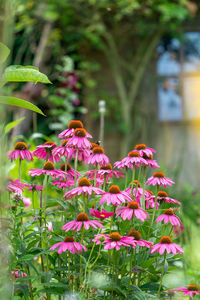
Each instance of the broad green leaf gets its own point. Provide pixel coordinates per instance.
(11, 125)
(4, 52)
(20, 103)
(24, 73)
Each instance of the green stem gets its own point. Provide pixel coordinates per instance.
(143, 186)
(95, 174)
(20, 162)
(154, 211)
(33, 199)
(139, 174)
(82, 234)
(126, 179)
(75, 167)
(69, 270)
(133, 176)
(157, 297)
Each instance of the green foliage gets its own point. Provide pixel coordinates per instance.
(11, 125)
(20, 103)
(4, 52)
(24, 73)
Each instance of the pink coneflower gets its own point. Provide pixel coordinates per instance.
(120, 164)
(132, 210)
(18, 274)
(169, 217)
(63, 183)
(98, 157)
(191, 290)
(62, 150)
(70, 173)
(137, 190)
(84, 188)
(134, 159)
(74, 124)
(150, 200)
(83, 154)
(100, 214)
(159, 178)
(27, 201)
(166, 245)
(45, 152)
(79, 139)
(163, 197)
(152, 163)
(49, 227)
(143, 149)
(82, 220)
(115, 196)
(48, 169)
(21, 151)
(34, 187)
(115, 240)
(99, 238)
(104, 171)
(137, 239)
(15, 186)
(70, 245)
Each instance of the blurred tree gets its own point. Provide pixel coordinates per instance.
(125, 31)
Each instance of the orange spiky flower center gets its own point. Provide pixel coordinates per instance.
(134, 154)
(69, 239)
(64, 142)
(84, 182)
(107, 167)
(150, 192)
(159, 174)
(48, 166)
(93, 145)
(62, 167)
(140, 147)
(162, 194)
(75, 124)
(82, 217)
(97, 150)
(136, 183)
(133, 205)
(80, 132)
(169, 212)
(114, 189)
(136, 234)
(193, 287)
(165, 240)
(21, 146)
(115, 236)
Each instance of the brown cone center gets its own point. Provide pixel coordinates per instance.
(134, 154)
(133, 205)
(136, 234)
(80, 132)
(75, 124)
(69, 239)
(140, 147)
(159, 174)
(114, 189)
(98, 150)
(82, 217)
(21, 146)
(169, 212)
(48, 166)
(165, 240)
(84, 182)
(115, 236)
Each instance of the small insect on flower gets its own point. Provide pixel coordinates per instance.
(21, 151)
(70, 245)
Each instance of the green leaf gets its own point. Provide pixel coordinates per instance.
(4, 52)
(20, 103)
(11, 125)
(26, 257)
(24, 73)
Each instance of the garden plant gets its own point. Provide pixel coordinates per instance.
(80, 228)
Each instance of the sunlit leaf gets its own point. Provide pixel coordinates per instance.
(4, 52)
(11, 125)
(20, 103)
(24, 73)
